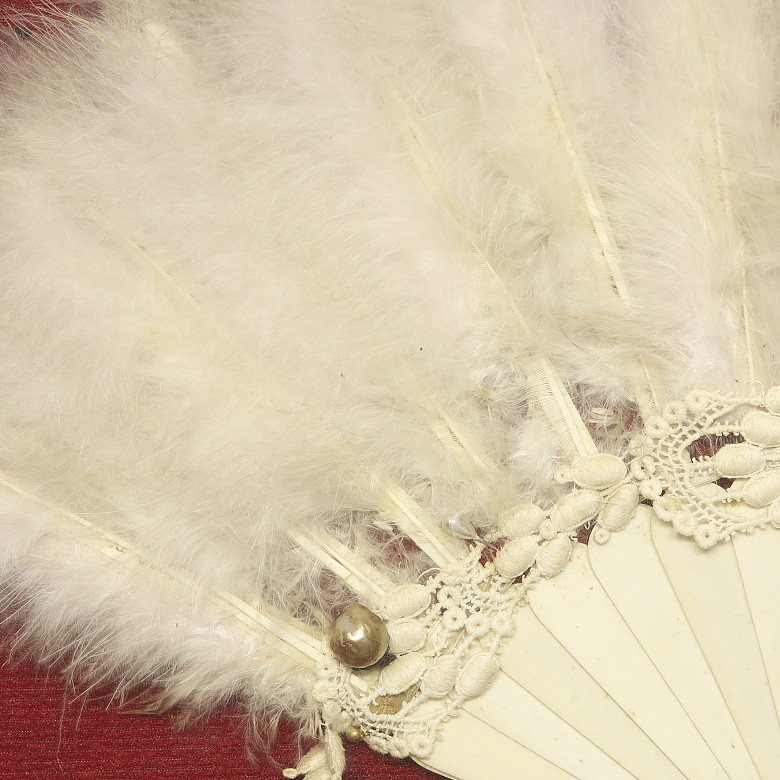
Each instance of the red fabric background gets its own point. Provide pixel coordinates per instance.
(48, 733)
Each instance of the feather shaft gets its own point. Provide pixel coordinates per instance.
(548, 389)
(646, 385)
(292, 638)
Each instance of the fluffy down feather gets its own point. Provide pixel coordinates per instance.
(264, 265)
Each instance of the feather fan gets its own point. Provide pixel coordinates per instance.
(333, 325)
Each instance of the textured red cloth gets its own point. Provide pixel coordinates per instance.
(48, 733)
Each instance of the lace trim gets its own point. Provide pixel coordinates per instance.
(444, 636)
(710, 465)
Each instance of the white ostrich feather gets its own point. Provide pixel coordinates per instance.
(305, 303)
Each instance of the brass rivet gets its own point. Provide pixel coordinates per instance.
(353, 734)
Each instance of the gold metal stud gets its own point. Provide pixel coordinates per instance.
(354, 734)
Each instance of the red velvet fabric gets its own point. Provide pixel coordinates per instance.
(48, 733)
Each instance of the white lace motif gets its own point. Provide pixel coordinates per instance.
(710, 465)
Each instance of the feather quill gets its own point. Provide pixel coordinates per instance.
(298, 299)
